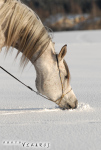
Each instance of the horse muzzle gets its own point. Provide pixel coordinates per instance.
(68, 105)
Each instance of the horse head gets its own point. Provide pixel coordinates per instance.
(53, 79)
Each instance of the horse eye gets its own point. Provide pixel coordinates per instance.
(66, 77)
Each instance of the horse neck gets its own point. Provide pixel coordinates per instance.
(45, 61)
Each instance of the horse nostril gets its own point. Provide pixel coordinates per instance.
(69, 106)
(74, 106)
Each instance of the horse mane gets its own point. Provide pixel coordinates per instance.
(23, 30)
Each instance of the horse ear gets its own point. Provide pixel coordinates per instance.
(62, 52)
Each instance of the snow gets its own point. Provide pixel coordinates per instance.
(28, 121)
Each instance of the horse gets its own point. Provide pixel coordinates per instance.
(21, 28)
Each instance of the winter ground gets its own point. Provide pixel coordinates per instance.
(27, 118)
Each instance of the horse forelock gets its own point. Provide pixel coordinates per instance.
(23, 30)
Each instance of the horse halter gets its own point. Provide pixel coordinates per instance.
(58, 101)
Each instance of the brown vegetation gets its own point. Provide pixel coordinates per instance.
(47, 8)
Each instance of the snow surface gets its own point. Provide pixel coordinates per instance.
(27, 120)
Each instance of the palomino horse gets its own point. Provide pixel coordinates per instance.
(22, 29)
